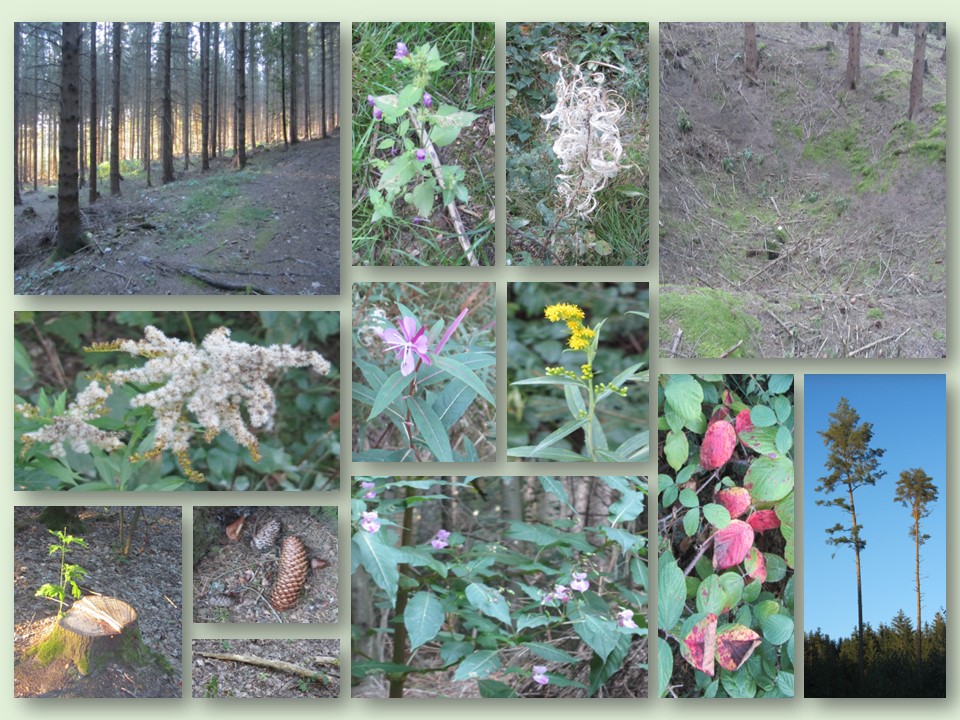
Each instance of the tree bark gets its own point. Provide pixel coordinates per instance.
(215, 117)
(916, 562)
(283, 85)
(17, 48)
(147, 103)
(916, 78)
(69, 238)
(750, 51)
(115, 112)
(323, 80)
(856, 550)
(306, 80)
(93, 194)
(852, 78)
(241, 105)
(205, 96)
(166, 131)
(252, 73)
(895, 29)
(185, 63)
(294, 79)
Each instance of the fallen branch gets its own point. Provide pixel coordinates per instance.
(877, 342)
(280, 665)
(211, 281)
(452, 209)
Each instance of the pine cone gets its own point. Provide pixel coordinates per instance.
(291, 574)
(266, 536)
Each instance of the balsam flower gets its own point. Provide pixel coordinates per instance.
(369, 521)
(439, 541)
(409, 343)
(540, 675)
(369, 487)
(580, 582)
(625, 619)
(561, 593)
(402, 51)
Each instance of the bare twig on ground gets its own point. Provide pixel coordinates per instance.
(280, 665)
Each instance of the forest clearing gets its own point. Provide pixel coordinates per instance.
(176, 176)
(803, 208)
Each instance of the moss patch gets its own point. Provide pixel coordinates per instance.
(713, 319)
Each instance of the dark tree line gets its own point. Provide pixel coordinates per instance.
(830, 665)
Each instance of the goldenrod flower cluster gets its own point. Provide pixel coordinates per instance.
(580, 335)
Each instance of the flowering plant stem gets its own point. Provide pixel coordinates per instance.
(452, 210)
(398, 680)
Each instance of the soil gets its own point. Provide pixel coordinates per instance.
(149, 578)
(273, 228)
(859, 269)
(216, 678)
(232, 581)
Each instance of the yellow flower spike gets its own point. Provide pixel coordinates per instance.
(563, 311)
(577, 342)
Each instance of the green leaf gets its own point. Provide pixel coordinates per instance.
(550, 653)
(785, 683)
(627, 508)
(495, 689)
(489, 602)
(689, 498)
(676, 449)
(549, 380)
(601, 634)
(388, 392)
(446, 124)
(784, 510)
(776, 567)
(431, 429)
(762, 416)
(779, 384)
(738, 684)
(691, 521)
(602, 669)
(464, 374)
(685, 395)
(423, 618)
(717, 515)
(575, 403)
(769, 479)
(710, 596)
(783, 408)
(478, 665)
(397, 174)
(557, 454)
(784, 440)
(423, 196)
(777, 629)
(672, 591)
(560, 433)
(626, 540)
(379, 560)
(664, 666)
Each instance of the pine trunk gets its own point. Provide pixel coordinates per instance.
(166, 131)
(205, 96)
(69, 238)
(750, 50)
(115, 112)
(294, 79)
(852, 79)
(916, 78)
(241, 98)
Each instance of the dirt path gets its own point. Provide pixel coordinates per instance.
(273, 228)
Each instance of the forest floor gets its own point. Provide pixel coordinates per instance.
(272, 228)
(859, 267)
(149, 578)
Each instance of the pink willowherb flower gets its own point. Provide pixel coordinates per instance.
(409, 343)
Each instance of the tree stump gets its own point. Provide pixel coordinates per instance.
(95, 631)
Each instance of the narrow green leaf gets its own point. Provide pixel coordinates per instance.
(556, 454)
(478, 665)
(465, 375)
(664, 666)
(560, 433)
(550, 653)
(389, 391)
(378, 560)
(431, 429)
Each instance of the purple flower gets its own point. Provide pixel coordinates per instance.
(377, 114)
(427, 100)
(402, 51)
(449, 331)
(409, 343)
(562, 593)
(421, 154)
(625, 619)
(439, 541)
(394, 151)
(369, 521)
(580, 582)
(370, 491)
(540, 675)
(370, 100)
(418, 220)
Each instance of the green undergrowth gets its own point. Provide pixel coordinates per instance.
(713, 319)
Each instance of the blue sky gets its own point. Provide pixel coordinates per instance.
(908, 413)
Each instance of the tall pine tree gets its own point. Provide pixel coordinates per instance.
(852, 464)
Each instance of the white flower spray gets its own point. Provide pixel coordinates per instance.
(191, 385)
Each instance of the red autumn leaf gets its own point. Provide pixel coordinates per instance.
(756, 565)
(727, 397)
(699, 646)
(764, 520)
(731, 545)
(735, 646)
(718, 445)
(234, 528)
(736, 500)
(720, 413)
(743, 422)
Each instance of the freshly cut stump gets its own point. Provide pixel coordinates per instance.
(95, 631)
